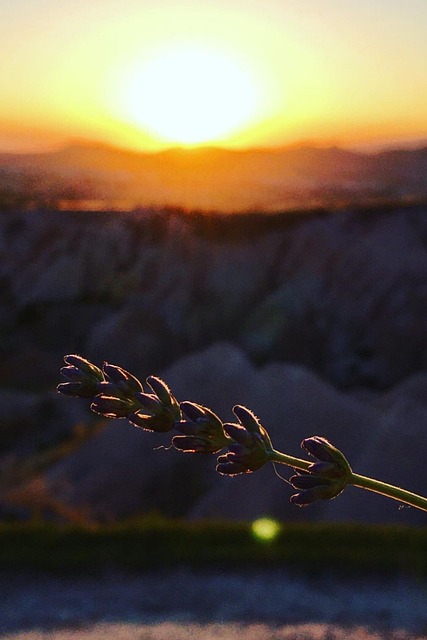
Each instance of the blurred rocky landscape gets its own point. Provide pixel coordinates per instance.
(317, 321)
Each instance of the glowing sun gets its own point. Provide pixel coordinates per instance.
(191, 95)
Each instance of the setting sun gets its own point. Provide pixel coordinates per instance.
(189, 95)
(149, 76)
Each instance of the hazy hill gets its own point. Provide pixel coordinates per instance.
(213, 178)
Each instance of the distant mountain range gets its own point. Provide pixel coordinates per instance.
(214, 178)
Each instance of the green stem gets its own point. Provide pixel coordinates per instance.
(390, 491)
(291, 461)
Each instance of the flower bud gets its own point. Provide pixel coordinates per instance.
(158, 411)
(84, 365)
(247, 418)
(166, 398)
(122, 379)
(231, 467)
(117, 393)
(318, 492)
(161, 390)
(200, 429)
(238, 433)
(323, 450)
(112, 407)
(82, 378)
(251, 447)
(324, 479)
(191, 444)
(160, 423)
(149, 402)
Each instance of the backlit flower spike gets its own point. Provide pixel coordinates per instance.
(200, 429)
(251, 447)
(82, 378)
(324, 479)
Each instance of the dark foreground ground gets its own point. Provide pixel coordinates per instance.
(182, 604)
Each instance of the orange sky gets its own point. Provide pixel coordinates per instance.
(146, 75)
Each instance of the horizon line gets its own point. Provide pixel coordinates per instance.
(364, 148)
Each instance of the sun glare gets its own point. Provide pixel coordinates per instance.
(190, 95)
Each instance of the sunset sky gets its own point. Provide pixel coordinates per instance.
(147, 75)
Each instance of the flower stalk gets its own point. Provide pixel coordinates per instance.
(244, 446)
(290, 461)
(390, 491)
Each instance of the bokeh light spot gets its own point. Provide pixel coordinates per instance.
(265, 529)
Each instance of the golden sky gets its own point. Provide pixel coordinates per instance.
(149, 75)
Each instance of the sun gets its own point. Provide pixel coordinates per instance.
(190, 95)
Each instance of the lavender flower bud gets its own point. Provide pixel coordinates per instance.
(238, 433)
(149, 402)
(167, 400)
(308, 496)
(84, 365)
(160, 423)
(122, 379)
(322, 449)
(247, 418)
(111, 390)
(308, 481)
(327, 469)
(251, 447)
(193, 411)
(191, 444)
(201, 431)
(161, 390)
(75, 389)
(158, 411)
(230, 468)
(112, 407)
(324, 479)
(82, 378)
